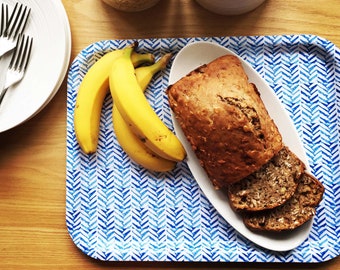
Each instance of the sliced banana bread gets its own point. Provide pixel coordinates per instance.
(292, 214)
(270, 186)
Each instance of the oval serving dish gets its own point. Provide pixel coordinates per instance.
(194, 55)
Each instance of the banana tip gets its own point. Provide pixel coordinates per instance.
(134, 44)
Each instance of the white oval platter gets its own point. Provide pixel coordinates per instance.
(194, 55)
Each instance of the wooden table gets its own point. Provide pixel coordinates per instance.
(33, 234)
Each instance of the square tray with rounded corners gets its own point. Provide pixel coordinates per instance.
(118, 211)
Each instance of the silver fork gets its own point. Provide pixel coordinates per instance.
(18, 64)
(13, 26)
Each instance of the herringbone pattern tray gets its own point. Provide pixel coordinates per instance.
(118, 211)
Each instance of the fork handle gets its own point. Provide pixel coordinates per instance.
(2, 94)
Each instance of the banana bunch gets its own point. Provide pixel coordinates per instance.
(159, 151)
(127, 139)
(91, 95)
(134, 108)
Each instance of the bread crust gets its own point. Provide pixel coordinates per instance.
(224, 119)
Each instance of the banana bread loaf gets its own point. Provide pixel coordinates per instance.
(268, 187)
(225, 120)
(300, 208)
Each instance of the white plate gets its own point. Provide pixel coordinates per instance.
(49, 26)
(191, 57)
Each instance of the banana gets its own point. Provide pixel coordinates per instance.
(137, 112)
(129, 142)
(91, 94)
(136, 149)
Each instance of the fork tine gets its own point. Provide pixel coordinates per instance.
(16, 53)
(22, 52)
(23, 21)
(7, 30)
(4, 18)
(28, 53)
(17, 20)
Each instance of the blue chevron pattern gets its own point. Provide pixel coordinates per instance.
(118, 211)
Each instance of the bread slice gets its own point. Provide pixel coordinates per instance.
(270, 186)
(224, 119)
(292, 214)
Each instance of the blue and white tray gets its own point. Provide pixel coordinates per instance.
(118, 211)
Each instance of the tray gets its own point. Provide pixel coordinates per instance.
(118, 211)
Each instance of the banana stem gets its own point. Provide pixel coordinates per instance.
(140, 59)
(144, 74)
(160, 64)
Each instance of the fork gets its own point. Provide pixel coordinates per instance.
(18, 63)
(11, 27)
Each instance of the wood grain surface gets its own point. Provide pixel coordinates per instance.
(33, 233)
